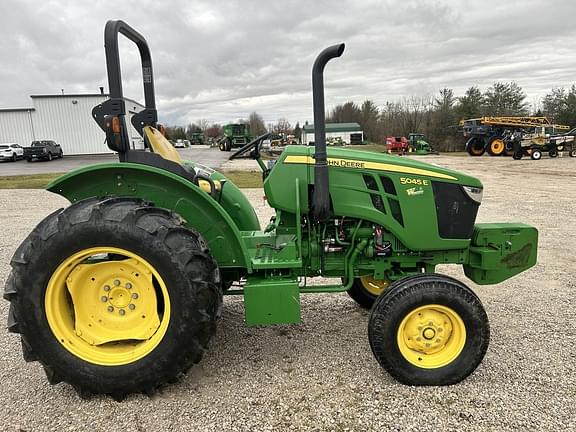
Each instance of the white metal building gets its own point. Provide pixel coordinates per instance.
(66, 119)
(347, 132)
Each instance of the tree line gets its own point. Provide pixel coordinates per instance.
(435, 116)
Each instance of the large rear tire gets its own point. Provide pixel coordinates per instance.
(428, 329)
(475, 146)
(114, 296)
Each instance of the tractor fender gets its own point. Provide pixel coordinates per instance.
(166, 190)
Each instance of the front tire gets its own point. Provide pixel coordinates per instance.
(365, 290)
(429, 329)
(496, 146)
(536, 155)
(113, 296)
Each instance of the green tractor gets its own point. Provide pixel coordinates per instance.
(419, 145)
(234, 135)
(197, 138)
(121, 291)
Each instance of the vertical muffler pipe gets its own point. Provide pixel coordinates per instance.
(321, 197)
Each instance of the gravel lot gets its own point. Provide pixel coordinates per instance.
(320, 375)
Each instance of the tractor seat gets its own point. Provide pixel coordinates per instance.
(159, 145)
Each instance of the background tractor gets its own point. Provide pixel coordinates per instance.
(121, 291)
(518, 136)
(419, 145)
(234, 135)
(197, 138)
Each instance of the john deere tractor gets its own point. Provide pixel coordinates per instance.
(121, 291)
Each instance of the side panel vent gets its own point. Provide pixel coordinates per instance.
(388, 185)
(396, 210)
(370, 182)
(378, 203)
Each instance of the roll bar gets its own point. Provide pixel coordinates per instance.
(116, 106)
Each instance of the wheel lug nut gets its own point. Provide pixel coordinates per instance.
(106, 287)
(132, 306)
(128, 285)
(121, 311)
(134, 295)
(116, 282)
(110, 309)
(104, 299)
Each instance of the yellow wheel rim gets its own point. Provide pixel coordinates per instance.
(431, 336)
(497, 146)
(374, 286)
(107, 312)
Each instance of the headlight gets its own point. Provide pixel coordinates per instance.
(44, 150)
(474, 193)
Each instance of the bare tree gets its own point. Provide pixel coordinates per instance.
(282, 127)
(257, 126)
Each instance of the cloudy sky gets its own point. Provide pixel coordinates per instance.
(221, 60)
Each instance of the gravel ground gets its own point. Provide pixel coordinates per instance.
(320, 375)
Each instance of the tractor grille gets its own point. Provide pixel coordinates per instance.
(456, 212)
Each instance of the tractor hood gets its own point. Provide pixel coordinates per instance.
(364, 160)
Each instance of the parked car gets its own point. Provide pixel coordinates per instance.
(44, 149)
(11, 151)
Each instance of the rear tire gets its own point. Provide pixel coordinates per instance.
(14, 157)
(428, 329)
(475, 146)
(553, 153)
(572, 153)
(98, 342)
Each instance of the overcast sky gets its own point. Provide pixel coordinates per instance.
(221, 60)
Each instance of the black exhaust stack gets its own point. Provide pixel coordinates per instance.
(321, 197)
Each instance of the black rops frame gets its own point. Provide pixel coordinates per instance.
(116, 106)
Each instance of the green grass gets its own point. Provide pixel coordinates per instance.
(242, 179)
(34, 181)
(245, 179)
